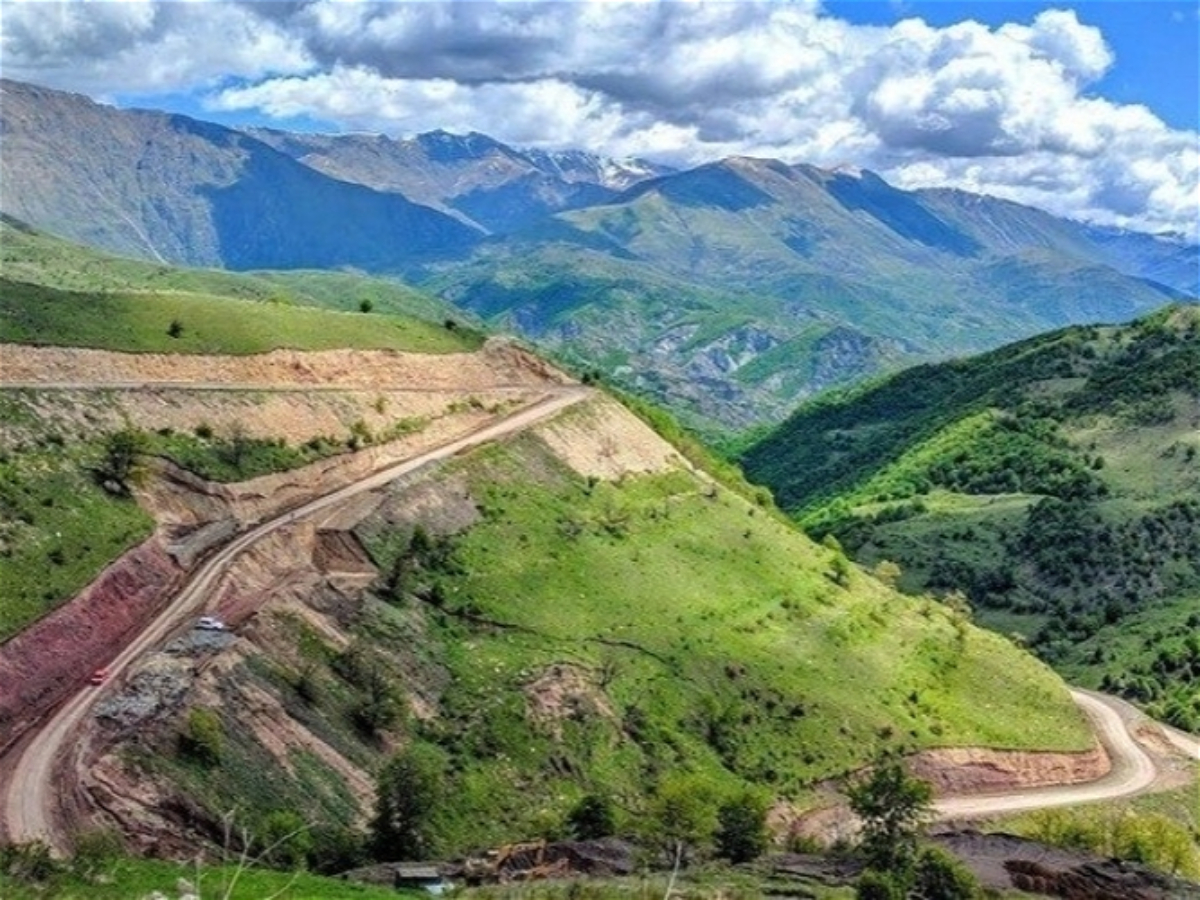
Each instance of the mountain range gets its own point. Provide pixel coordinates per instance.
(729, 291)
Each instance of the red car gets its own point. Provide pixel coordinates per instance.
(99, 677)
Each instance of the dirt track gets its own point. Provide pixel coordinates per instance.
(1132, 770)
(28, 799)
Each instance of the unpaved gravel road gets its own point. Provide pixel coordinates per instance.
(1132, 770)
(27, 801)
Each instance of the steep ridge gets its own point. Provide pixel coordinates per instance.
(174, 189)
(787, 280)
(474, 177)
(517, 635)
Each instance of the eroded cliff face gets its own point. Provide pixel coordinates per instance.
(973, 770)
(292, 598)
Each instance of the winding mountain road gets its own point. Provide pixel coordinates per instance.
(28, 800)
(1132, 770)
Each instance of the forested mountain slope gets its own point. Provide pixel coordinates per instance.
(1054, 482)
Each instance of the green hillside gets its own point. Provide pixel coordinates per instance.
(732, 291)
(56, 292)
(1055, 482)
(617, 637)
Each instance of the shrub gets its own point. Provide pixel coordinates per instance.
(592, 817)
(202, 737)
(29, 863)
(286, 840)
(410, 789)
(876, 885)
(941, 876)
(742, 828)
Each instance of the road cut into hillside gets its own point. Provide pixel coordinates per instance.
(1131, 771)
(498, 363)
(31, 790)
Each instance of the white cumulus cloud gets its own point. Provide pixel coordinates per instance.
(1008, 110)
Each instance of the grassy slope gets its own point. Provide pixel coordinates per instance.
(721, 643)
(128, 321)
(120, 879)
(58, 529)
(1055, 480)
(57, 292)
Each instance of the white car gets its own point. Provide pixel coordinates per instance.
(210, 623)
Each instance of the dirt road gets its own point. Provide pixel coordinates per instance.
(1132, 770)
(27, 802)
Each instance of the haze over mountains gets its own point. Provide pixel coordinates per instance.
(728, 291)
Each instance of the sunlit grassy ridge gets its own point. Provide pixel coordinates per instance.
(55, 292)
(711, 637)
(201, 323)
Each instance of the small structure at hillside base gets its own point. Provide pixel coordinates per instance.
(407, 875)
(421, 876)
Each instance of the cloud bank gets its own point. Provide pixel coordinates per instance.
(1005, 111)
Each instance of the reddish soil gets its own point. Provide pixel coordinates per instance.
(970, 770)
(46, 663)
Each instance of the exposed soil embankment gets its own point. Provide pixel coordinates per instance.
(46, 663)
(973, 770)
(499, 362)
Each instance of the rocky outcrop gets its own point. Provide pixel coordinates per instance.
(1005, 861)
(972, 770)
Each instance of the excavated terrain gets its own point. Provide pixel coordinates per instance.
(304, 586)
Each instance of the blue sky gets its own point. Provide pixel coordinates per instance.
(1086, 109)
(1156, 42)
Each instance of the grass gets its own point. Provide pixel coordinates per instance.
(123, 878)
(58, 529)
(27, 255)
(715, 641)
(205, 324)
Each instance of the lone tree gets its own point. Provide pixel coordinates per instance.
(742, 828)
(893, 807)
(592, 817)
(121, 465)
(410, 788)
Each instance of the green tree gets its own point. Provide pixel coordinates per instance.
(742, 828)
(410, 789)
(121, 465)
(893, 807)
(683, 815)
(286, 840)
(365, 305)
(592, 817)
(876, 885)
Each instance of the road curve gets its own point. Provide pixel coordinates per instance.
(28, 803)
(1132, 771)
